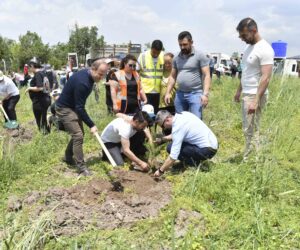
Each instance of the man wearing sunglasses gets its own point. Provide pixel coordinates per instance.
(150, 65)
(257, 62)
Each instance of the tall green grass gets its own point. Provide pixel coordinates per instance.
(246, 205)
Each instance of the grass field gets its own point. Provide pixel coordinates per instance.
(253, 205)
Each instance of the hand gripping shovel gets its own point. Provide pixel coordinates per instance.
(111, 160)
(9, 124)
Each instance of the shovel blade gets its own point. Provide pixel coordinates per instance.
(11, 125)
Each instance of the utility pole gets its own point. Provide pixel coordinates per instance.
(4, 65)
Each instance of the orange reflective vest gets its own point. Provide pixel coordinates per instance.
(121, 89)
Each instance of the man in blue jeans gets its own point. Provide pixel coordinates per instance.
(191, 72)
(192, 140)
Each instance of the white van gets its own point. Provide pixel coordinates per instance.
(222, 62)
(286, 67)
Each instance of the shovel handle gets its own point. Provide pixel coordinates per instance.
(111, 160)
(4, 112)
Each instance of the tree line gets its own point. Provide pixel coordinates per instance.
(14, 54)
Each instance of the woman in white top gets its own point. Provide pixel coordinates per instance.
(9, 96)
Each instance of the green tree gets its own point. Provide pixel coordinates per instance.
(58, 55)
(4, 48)
(5, 53)
(84, 39)
(32, 45)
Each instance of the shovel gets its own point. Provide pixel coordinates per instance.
(116, 184)
(9, 124)
(111, 160)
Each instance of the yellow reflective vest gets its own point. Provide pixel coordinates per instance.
(151, 76)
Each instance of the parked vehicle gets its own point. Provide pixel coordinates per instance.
(222, 63)
(285, 67)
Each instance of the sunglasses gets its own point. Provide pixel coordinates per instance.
(133, 66)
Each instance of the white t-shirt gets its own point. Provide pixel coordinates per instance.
(117, 129)
(254, 57)
(8, 87)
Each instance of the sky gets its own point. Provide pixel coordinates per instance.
(211, 23)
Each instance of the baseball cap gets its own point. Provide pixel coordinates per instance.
(161, 117)
(1, 76)
(34, 61)
(148, 108)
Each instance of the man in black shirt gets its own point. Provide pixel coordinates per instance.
(70, 108)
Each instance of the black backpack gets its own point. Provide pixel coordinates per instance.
(49, 74)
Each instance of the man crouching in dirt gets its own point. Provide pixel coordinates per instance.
(116, 137)
(192, 141)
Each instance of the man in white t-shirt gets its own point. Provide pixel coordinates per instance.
(257, 61)
(116, 137)
(9, 96)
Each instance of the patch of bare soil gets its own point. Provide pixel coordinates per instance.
(9, 138)
(189, 221)
(20, 134)
(130, 196)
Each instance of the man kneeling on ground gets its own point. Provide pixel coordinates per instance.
(116, 137)
(192, 141)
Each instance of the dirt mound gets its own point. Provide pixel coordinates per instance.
(10, 138)
(20, 134)
(189, 221)
(129, 196)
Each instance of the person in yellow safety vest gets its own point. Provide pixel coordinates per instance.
(125, 86)
(151, 65)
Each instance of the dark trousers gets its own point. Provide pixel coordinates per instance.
(40, 107)
(136, 146)
(193, 155)
(9, 106)
(211, 71)
(137, 143)
(73, 125)
(153, 99)
(115, 151)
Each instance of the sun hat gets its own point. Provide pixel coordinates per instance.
(148, 108)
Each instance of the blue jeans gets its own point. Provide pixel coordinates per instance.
(189, 101)
(193, 155)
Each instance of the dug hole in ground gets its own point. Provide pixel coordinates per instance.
(131, 197)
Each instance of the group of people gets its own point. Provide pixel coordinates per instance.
(170, 91)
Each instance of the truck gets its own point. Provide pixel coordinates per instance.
(222, 61)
